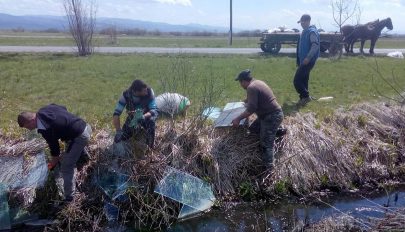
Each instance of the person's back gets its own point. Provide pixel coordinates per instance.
(59, 123)
(261, 99)
(305, 44)
(172, 103)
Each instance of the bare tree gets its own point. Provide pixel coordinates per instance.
(344, 10)
(82, 22)
(112, 34)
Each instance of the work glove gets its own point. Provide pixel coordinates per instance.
(141, 118)
(118, 136)
(53, 162)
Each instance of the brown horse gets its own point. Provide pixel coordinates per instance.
(369, 31)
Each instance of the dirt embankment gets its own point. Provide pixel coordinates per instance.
(363, 146)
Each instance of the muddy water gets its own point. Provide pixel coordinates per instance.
(287, 216)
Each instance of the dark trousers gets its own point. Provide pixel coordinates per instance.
(267, 127)
(148, 125)
(301, 79)
(69, 159)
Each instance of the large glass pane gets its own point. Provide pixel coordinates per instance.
(186, 189)
(4, 210)
(23, 172)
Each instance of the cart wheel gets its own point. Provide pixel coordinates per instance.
(335, 51)
(324, 46)
(272, 48)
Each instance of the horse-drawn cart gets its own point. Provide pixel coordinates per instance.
(272, 42)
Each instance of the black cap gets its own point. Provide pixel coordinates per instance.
(244, 75)
(305, 18)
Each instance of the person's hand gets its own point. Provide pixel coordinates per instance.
(54, 161)
(235, 122)
(118, 136)
(141, 118)
(305, 61)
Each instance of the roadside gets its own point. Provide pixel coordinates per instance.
(159, 50)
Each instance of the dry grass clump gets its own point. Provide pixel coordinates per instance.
(334, 224)
(365, 144)
(16, 154)
(393, 221)
(223, 158)
(11, 147)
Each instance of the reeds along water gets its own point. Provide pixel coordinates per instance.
(361, 145)
(364, 144)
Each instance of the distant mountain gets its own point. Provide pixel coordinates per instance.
(44, 22)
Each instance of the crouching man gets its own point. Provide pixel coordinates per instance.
(140, 105)
(55, 123)
(261, 100)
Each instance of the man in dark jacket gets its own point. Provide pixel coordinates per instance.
(261, 100)
(55, 123)
(140, 105)
(307, 53)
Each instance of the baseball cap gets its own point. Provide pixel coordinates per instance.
(244, 75)
(304, 18)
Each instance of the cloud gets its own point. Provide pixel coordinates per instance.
(176, 2)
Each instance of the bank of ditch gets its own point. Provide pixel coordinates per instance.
(352, 150)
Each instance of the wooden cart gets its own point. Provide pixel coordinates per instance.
(330, 42)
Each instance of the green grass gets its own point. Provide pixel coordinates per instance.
(392, 43)
(131, 41)
(64, 39)
(91, 86)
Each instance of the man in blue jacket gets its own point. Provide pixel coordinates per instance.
(307, 53)
(55, 123)
(140, 105)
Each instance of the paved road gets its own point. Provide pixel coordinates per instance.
(50, 49)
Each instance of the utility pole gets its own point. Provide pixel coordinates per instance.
(230, 25)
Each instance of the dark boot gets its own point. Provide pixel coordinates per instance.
(83, 160)
(268, 157)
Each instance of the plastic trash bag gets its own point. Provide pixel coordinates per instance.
(172, 103)
(396, 54)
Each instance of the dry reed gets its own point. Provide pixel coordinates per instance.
(363, 145)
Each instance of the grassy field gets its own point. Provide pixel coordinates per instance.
(60, 39)
(130, 41)
(91, 86)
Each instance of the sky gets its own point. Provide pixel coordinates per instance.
(247, 14)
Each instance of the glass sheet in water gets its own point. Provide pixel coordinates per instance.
(187, 211)
(19, 172)
(186, 189)
(113, 183)
(4, 210)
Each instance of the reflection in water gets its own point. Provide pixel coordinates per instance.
(286, 217)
